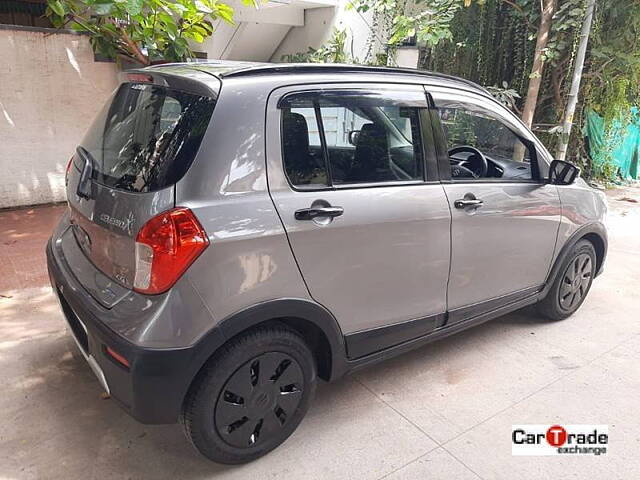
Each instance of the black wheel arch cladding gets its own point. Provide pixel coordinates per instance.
(596, 234)
(311, 321)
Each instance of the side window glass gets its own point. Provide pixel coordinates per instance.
(369, 137)
(301, 149)
(481, 146)
(338, 123)
(312, 126)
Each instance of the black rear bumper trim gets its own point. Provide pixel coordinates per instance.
(154, 387)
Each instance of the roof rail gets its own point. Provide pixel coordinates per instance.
(266, 68)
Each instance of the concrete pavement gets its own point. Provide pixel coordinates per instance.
(443, 411)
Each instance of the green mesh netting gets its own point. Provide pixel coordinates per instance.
(614, 152)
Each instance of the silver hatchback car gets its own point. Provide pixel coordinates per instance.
(237, 230)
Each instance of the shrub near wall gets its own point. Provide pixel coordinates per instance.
(50, 90)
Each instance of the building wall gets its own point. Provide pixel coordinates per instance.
(51, 87)
(319, 24)
(407, 57)
(50, 90)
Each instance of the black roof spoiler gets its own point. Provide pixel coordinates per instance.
(176, 76)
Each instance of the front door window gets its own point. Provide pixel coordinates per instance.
(482, 147)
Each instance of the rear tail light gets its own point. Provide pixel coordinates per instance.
(165, 247)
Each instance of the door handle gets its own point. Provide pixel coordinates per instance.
(467, 202)
(318, 212)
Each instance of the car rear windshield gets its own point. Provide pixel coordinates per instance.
(146, 136)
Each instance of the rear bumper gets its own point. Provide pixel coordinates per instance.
(152, 389)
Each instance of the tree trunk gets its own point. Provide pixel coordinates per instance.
(535, 79)
(572, 101)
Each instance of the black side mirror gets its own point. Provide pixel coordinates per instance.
(353, 137)
(562, 173)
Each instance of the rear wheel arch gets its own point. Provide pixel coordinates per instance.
(311, 321)
(315, 338)
(317, 341)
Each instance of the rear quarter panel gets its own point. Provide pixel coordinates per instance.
(249, 260)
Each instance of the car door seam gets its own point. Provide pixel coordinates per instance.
(273, 202)
(556, 252)
(446, 297)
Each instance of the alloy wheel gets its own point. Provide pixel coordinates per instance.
(258, 399)
(576, 281)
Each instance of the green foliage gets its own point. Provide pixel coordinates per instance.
(142, 30)
(430, 24)
(612, 78)
(332, 52)
(393, 21)
(614, 66)
(396, 20)
(492, 42)
(505, 95)
(567, 22)
(461, 130)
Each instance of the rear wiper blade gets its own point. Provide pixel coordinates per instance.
(85, 189)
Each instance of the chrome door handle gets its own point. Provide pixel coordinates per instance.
(467, 202)
(318, 212)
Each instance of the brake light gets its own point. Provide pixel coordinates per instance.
(66, 173)
(165, 247)
(139, 77)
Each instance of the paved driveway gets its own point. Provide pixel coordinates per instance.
(443, 411)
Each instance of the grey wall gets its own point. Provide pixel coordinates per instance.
(50, 90)
(318, 28)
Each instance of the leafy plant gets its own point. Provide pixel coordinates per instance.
(506, 96)
(612, 86)
(461, 127)
(614, 67)
(332, 52)
(142, 30)
(396, 20)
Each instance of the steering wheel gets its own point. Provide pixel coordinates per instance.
(476, 163)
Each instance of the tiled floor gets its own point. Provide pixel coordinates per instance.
(23, 236)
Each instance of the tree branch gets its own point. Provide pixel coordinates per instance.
(133, 47)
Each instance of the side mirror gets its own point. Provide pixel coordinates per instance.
(353, 137)
(562, 173)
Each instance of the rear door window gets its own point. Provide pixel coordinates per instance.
(364, 137)
(147, 136)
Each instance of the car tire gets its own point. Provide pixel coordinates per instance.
(572, 284)
(250, 396)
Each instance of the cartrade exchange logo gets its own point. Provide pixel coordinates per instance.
(559, 439)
